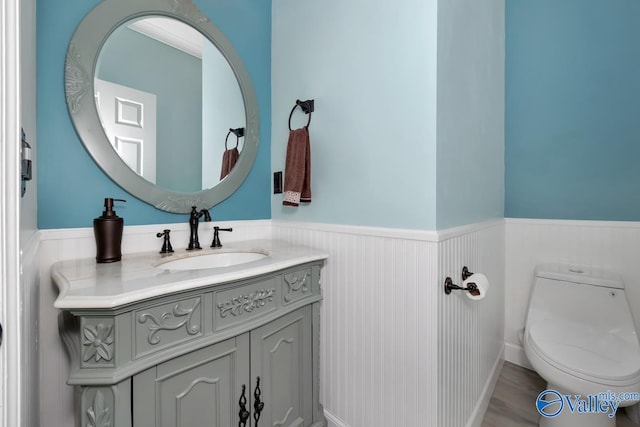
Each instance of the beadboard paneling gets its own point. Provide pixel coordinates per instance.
(470, 332)
(29, 325)
(56, 403)
(603, 244)
(394, 349)
(379, 331)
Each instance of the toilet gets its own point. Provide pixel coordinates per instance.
(580, 337)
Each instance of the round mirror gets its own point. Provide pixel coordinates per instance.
(170, 131)
(162, 102)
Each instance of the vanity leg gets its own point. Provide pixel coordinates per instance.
(318, 410)
(106, 405)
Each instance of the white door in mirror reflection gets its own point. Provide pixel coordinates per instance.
(128, 117)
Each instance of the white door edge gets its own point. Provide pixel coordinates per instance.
(10, 350)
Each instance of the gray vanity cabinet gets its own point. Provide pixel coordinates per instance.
(203, 388)
(281, 358)
(182, 359)
(197, 389)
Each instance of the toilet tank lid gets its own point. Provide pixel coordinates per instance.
(580, 274)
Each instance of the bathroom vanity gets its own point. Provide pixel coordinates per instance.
(194, 346)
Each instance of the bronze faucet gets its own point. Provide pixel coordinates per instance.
(194, 220)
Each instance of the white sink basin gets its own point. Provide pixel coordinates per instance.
(214, 260)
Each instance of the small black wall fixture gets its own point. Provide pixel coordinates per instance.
(472, 288)
(25, 169)
(239, 133)
(466, 273)
(306, 106)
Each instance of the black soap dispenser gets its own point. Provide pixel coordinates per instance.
(108, 231)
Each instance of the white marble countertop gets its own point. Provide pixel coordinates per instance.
(83, 283)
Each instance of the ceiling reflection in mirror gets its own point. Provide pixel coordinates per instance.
(167, 99)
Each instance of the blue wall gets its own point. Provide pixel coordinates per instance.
(573, 109)
(571, 120)
(71, 187)
(470, 153)
(408, 130)
(371, 68)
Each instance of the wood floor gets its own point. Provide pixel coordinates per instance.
(513, 403)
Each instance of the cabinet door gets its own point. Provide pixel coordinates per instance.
(199, 389)
(281, 357)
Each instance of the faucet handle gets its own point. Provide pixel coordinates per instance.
(216, 236)
(166, 244)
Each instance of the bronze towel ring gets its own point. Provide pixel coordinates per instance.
(307, 108)
(239, 132)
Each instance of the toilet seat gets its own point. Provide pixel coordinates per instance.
(590, 354)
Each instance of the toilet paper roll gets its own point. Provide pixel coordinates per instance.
(482, 283)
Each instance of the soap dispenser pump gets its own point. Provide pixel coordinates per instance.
(108, 232)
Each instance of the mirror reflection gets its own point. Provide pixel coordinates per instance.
(168, 100)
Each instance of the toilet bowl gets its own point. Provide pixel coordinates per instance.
(580, 337)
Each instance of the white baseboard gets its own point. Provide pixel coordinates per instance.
(514, 353)
(333, 421)
(483, 403)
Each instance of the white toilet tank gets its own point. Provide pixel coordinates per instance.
(588, 298)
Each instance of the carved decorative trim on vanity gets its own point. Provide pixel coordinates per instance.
(98, 341)
(99, 414)
(162, 323)
(296, 282)
(246, 302)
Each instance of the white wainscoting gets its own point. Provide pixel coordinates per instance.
(471, 332)
(604, 244)
(379, 347)
(56, 402)
(29, 328)
(395, 351)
